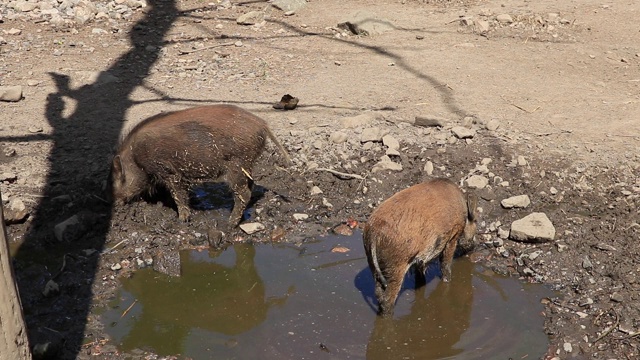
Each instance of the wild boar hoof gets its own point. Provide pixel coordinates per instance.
(183, 216)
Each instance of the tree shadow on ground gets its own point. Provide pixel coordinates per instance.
(79, 158)
(82, 144)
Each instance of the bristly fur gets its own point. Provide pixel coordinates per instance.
(413, 227)
(130, 129)
(378, 272)
(182, 148)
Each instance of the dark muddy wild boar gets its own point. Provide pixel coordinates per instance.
(412, 227)
(182, 148)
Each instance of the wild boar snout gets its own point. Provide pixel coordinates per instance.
(126, 180)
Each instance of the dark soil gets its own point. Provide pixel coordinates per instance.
(594, 166)
(593, 263)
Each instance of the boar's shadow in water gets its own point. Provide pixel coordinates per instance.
(365, 282)
(218, 196)
(435, 322)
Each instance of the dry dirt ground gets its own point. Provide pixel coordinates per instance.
(561, 91)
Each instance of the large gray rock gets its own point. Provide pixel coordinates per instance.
(504, 19)
(8, 176)
(57, 20)
(250, 18)
(482, 26)
(366, 23)
(386, 164)
(477, 182)
(289, 5)
(134, 4)
(11, 93)
(338, 137)
(535, 227)
(13, 31)
(462, 132)
(25, 6)
(520, 201)
(251, 228)
(300, 216)
(371, 134)
(391, 142)
(85, 13)
(15, 212)
(428, 168)
(522, 161)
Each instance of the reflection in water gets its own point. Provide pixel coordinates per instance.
(218, 196)
(434, 324)
(223, 308)
(228, 300)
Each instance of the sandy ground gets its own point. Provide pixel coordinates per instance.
(559, 85)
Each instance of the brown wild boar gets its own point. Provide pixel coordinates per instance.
(182, 148)
(412, 227)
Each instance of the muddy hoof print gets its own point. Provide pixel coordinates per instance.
(287, 102)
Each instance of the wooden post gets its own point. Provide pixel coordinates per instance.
(14, 343)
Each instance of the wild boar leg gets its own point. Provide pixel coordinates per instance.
(421, 273)
(447, 258)
(379, 289)
(181, 198)
(241, 188)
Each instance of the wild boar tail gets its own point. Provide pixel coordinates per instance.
(378, 274)
(283, 151)
(472, 207)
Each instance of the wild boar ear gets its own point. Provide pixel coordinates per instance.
(472, 206)
(118, 172)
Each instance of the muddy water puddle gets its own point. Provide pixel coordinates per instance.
(307, 302)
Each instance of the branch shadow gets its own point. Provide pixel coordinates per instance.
(79, 158)
(445, 93)
(443, 89)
